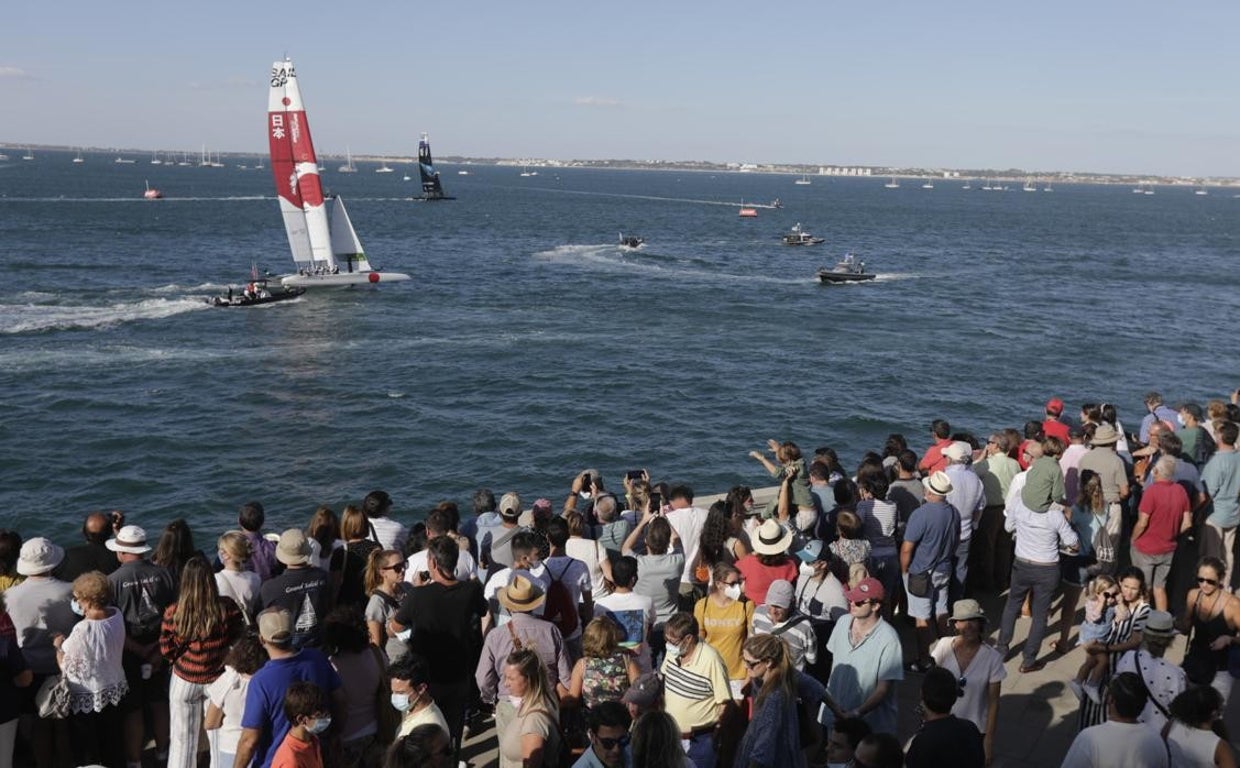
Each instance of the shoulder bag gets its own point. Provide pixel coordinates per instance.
(52, 699)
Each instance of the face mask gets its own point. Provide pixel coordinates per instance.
(401, 702)
(515, 701)
(535, 564)
(733, 591)
(673, 652)
(1180, 419)
(404, 635)
(76, 607)
(319, 725)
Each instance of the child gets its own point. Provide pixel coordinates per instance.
(851, 546)
(1044, 486)
(226, 699)
(1102, 596)
(305, 706)
(791, 464)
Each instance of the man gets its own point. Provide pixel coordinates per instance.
(933, 461)
(1221, 478)
(444, 616)
(390, 534)
(1163, 515)
(250, 518)
(994, 550)
(633, 613)
(866, 661)
(1070, 463)
(608, 728)
(1157, 412)
(495, 542)
(411, 695)
(906, 490)
(263, 723)
(1102, 460)
(943, 738)
(687, 521)
(1039, 536)
(142, 590)
(484, 517)
(524, 561)
(574, 575)
(930, 541)
(968, 497)
(523, 630)
(438, 524)
(697, 692)
(1053, 424)
(1198, 446)
(779, 617)
(1120, 742)
(94, 555)
(303, 590)
(644, 695)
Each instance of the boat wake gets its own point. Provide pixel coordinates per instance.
(163, 200)
(725, 203)
(38, 315)
(611, 258)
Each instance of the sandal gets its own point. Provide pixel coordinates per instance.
(1061, 648)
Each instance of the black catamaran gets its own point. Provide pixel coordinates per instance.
(432, 189)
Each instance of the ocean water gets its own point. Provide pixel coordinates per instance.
(529, 346)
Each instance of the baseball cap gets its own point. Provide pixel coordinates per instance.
(644, 692)
(866, 589)
(275, 625)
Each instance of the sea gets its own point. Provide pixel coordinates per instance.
(529, 346)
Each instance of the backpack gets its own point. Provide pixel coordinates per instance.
(560, 608)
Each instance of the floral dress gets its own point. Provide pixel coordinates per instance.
(605, 679)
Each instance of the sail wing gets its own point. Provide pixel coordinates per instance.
(296, 170)
(345, 245)
(431, 187)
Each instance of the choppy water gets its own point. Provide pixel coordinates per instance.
(529, 346)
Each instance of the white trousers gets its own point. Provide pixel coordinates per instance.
(186, 703)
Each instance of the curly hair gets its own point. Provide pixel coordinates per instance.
(715, 533)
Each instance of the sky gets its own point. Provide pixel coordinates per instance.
(1110, 87)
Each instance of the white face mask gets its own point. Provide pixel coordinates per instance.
(1180, 418)
(401, 702)
(319, 725)
(515, 701)
(837, 765)
(673, 652)
(76, 607)
(404, 635)
(732, 591)
(535, 564)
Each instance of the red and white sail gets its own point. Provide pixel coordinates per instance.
(296, 171)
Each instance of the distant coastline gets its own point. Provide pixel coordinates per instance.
(826, 171)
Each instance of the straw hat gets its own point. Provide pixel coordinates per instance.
(1105, 434)
(938, 483)
(521, 595)
(772, 538)
(967, 610)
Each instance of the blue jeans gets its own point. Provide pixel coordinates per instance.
(702, 750)
(1041, 580)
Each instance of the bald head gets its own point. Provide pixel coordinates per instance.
(97, 528)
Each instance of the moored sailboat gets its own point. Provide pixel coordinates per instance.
(324, 245)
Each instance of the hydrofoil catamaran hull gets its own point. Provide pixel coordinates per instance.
(341, 280)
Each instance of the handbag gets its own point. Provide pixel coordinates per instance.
(919, 584)
(53, 700)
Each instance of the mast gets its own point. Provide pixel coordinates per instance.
(296, 170)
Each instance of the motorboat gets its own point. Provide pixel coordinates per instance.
(747, 212)
(151, 193)
(799, 236)
(631, 241)
(848, 270)
(255, 292)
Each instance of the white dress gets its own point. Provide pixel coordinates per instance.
(92, 662)
(986, 668)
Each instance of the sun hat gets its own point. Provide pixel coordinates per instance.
(780, 593)
(1159, 623)
(938, 483)
(521, 595)
(866, 589)
(39, 556)
(510, 505)
(294, 547)
(131, 539)
(772, 538)
(967, 610)
(958, 451)
(644, 692)
(1054, 406)
(275, 625)
(811, 551)
(1105, 435)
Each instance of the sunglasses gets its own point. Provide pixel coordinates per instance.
(397, 567)
(1204, 580)
(750, 664)
(861, 603)
(610, 744)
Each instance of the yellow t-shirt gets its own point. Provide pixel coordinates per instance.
(693, 692)
(726, 629)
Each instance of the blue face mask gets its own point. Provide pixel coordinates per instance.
(319, 725)
(76, 607)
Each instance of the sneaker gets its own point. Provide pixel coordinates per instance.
(1092, 691)
(1033, 666)
(1076, 688)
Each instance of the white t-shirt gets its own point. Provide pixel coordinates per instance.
(389, 533)
(500, 580)
(592, 554)
(574, 575)
(688, 523)
(228, 693)
(1130, 745)
(466, 566)
(986, 668)
(243, 588)
(635, 614)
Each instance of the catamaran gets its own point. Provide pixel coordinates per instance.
(432, 189)
(324, 245)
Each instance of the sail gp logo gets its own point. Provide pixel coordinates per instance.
(280, 75)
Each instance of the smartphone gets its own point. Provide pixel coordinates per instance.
(426, 575)
(656, 502)
(635, 474)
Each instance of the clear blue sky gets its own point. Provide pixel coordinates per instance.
(1138, 87)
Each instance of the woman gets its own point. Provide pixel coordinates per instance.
(233, 580)
(351, 559)
(197, 631)
(773, 738)
(1213, 618)
(531, 739)
(10, 548)
(386, 586)
(362, 672)
(715, 545)
(1163, 680)
(590, 552)
(1196, 714)
(226, 699)
(324, 535)
(659, 569)
(725, 620)
(15, 675)
(604, 672)
(769, 562)
(978, 668)
(656, 742)
(1125, 635)
(175, 548)
(878, 519)
(740, 506)
(1089, 515)
(90, 659)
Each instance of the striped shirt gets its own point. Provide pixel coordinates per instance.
(797, 632)
(200, 659)
(695, 690)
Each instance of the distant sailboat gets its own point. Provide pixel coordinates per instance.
(155, 159)
(803, 181)
(29, 154)
(151, 193)
(78, 160)
(1048, 187)
(928, 185)
(324, 245)
(1030, 186)
(432, 188)
(348, 166)
(893, 184)
(1202, 192)
(383, 167)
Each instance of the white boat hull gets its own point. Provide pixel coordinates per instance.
(341, 280)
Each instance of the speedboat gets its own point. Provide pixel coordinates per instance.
(255, 292)
(847, 270)
(799, 236)
(631, 241)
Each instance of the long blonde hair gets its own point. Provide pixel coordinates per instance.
(540, 694)
(198, 612)
(773, 650)
(1098, 584)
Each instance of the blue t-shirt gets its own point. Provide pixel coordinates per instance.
(1221, 477)
(934, 528)
(264, 700)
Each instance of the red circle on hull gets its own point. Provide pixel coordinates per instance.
(373, 277)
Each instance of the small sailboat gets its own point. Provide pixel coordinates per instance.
(151, 193)
(1048, 187)
(155, 159)
(928, 184)
(893, 184)
(1030, 186)
(383, 167)
(325, 247)
(432, 188)
(29, 154)
(803, 181)
(462, 173)
(1201, 192)
(78, 160)
(348, 166)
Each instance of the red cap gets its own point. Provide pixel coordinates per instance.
(866, 589)
(1054, 406)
